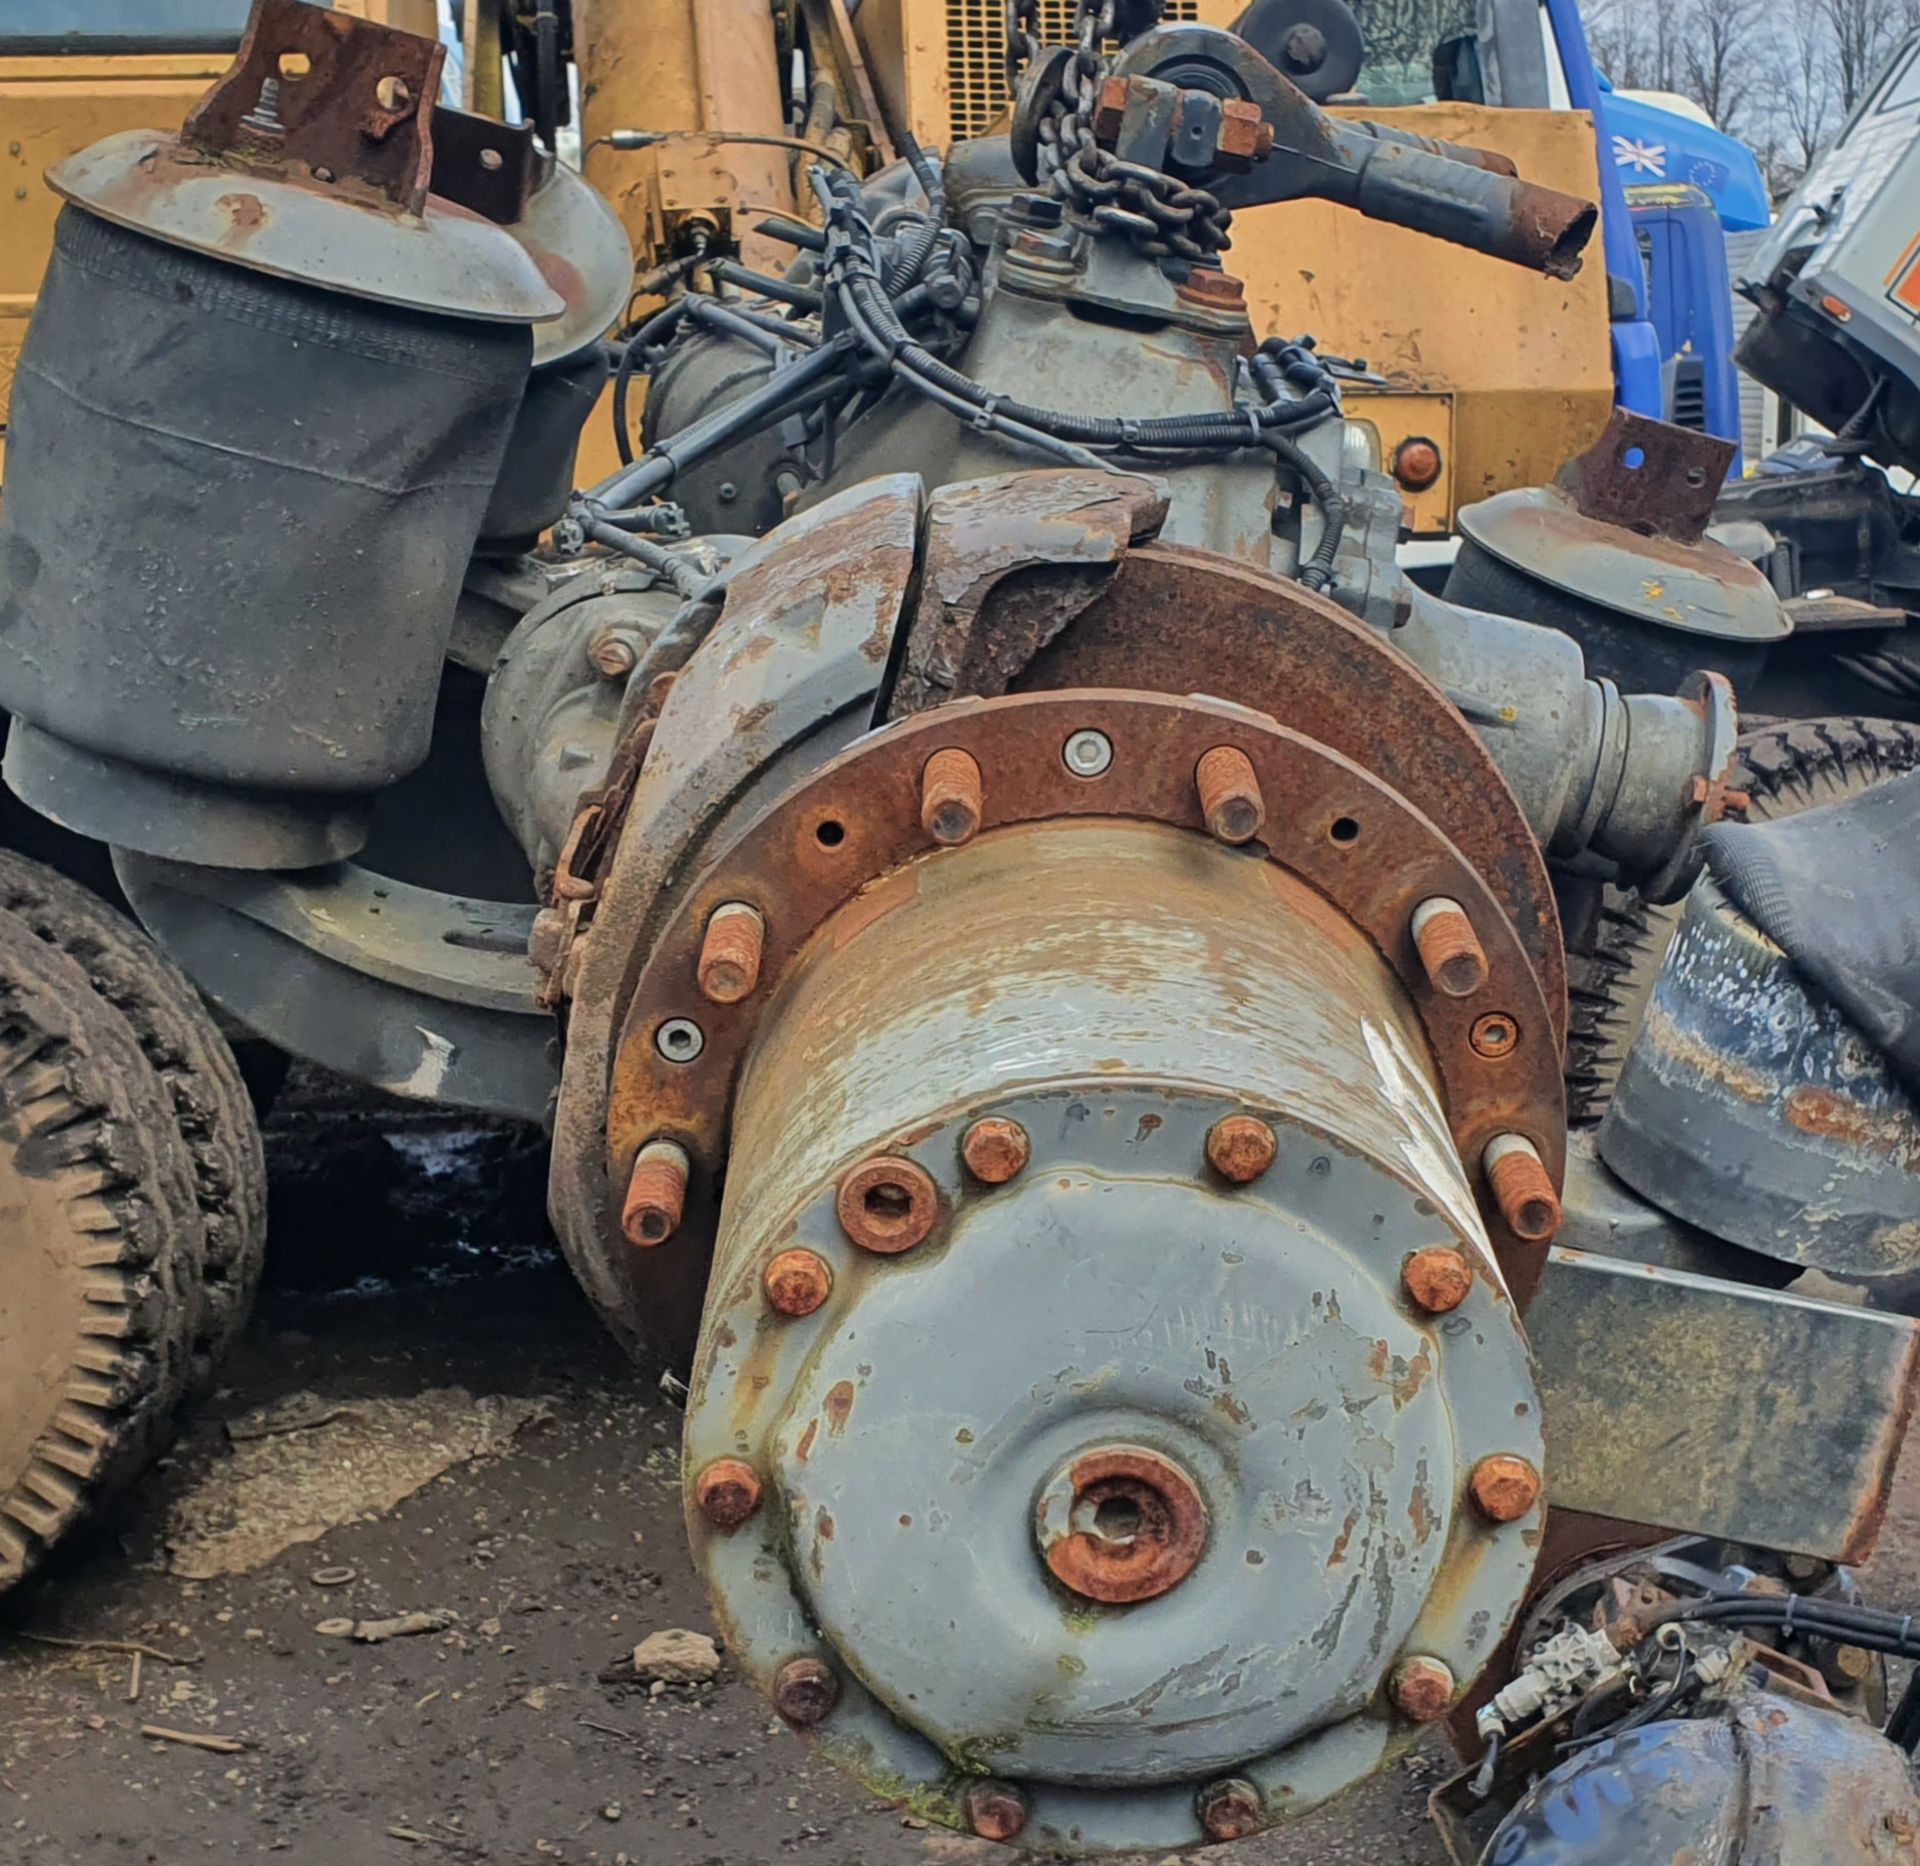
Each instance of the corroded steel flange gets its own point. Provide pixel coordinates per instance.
(858, 821)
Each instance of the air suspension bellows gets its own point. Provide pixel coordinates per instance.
(303, 370)
(1111, 1423)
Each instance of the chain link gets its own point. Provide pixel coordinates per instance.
(1164, 217)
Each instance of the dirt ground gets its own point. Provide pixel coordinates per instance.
(416, 1318)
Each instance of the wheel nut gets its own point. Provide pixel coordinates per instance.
(727, 1492)
(1240, 1148)
(1229, 1809)
(1449, 949)
(729, 966)
(994, 1810)
(1437, 1278)
(1230, 797)
(1521, 1188)
(805, 1692)
(797, 1282)
(656, 1194)
(950, 797)
(887, 1204)
(1423, 1689)
(1504, 1487)
(995, 1150)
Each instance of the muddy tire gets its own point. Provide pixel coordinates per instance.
(100, 1237)
(212, 1107)
(1610, 975)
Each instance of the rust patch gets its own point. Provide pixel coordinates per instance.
(804, 1450)
(1827, 1116)
(1412, 1376)
(839, 1406)
(1338, 1553)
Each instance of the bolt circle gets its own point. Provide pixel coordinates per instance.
(679, 1039)
(805, 1692)
(1087, 753)
(1494, 1035)
(994, 1810)
(995, 1150)
(1438, 1279)
(1229, 1809)
(1504, 1487)
(797, 1282)
(887, 1204)
(727, 1492)
(1240, 1147)
(1423, 1689)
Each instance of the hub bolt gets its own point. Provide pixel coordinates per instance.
(950, 797)
(1423, 1689)
(615, 653)
(1449, 949)
(1087, 753)
(1494, 1035)
(729, 964)
(805, 1692)
(1437, 1278)
(1504, 1487)
(1230, 797)
(656, 1194)
(1521, 1188)
(994, 1810)
(1229, 1809)
(797, 1282)
(887, 1204)
(679, 1040)
(727, 1492)
(1241, 1147)
(995, 1150)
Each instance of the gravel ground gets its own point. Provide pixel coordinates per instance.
(554, 1548)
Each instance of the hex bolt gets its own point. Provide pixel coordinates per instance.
(1449, 949)
(615, 653)
(994, 1810)
(729, 965)
(995, 1150)
(679, 1039)
(950, 797)
(805, 1692)
(1229, 1809)
(797, 1282)
(1423, 1689)
(1087, 753)
(1504, 1487)
(1521, 1188)
(1240, 1147)
(1438, 1278)
(887, 1204)
(727, 1492)
(656, 1194)
(1230, 797)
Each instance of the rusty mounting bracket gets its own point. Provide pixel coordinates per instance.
(1649, 477)
(483, 164)
(322, 94)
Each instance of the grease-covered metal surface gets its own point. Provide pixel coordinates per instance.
(1114, 1296)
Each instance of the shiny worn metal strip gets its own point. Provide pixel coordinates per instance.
(1714, 1408)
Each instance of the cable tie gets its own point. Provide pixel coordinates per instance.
(1129, 430)
(1786, 1624)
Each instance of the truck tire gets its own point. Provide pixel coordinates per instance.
(1784, 768)
(212, 1107)
(101, 1240)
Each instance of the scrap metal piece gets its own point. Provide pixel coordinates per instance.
(1718, 1408)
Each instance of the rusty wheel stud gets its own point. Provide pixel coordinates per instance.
(887, 1204)
(1240, 1147)
(1437, 1278)
(950, 802)
(729, 964)
(797, 1282)
(656, 1194)
(1449, 949)
(994, 1810)
(1521, 1188)
(1423, 1689)
(805, 1692)
(1504, 1487)
(995, 1150)
(1229, 1809)
(727, 1492)
(1230, 797)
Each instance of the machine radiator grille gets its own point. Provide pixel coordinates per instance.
(976, 42)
